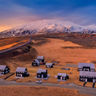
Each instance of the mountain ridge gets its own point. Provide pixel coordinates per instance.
(48, 26)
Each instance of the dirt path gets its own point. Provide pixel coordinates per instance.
(82, 90)
(14, 47)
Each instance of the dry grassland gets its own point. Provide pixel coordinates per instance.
(11, 42)
(65, 53)
(37, 91)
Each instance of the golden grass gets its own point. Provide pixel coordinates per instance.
(7, 46)
(37, 91)
(54, 51)
(13, 44)
(3, 27)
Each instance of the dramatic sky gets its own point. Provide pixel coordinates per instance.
(16, 12)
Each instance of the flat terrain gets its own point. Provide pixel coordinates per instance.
(37, 91)
(66, 51)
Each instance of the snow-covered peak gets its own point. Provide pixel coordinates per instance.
(91, 27)
(49, 26)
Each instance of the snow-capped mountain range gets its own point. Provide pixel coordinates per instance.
(48, 26)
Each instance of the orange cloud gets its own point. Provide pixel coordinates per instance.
(15, 16)
(4, 27)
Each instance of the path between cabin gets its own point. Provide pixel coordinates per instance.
(82, 90)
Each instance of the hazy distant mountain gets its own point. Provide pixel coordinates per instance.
(47, 26)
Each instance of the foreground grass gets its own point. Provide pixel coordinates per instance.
(37, 91)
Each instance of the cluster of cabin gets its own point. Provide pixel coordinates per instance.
(87, 73)
(41, 73)
(20, 71)
(41, 61)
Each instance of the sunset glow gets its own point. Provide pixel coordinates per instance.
(2, 28)
(16, 12)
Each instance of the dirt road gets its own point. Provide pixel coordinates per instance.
(82, 90)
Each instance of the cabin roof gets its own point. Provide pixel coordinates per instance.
(81, 65)
(41, 70)
(87, 74)
(49, 63)
(40, 57)
(2, 67)
(37, 61)
(21, 69)
(62, 74)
